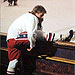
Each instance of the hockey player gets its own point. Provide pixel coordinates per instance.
(22, 35)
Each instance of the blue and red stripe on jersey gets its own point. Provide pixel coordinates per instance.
(22, 36)
(50, 36)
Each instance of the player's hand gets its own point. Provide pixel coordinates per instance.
(29, 49)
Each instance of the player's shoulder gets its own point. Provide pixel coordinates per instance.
(25, 16)
(30, 15)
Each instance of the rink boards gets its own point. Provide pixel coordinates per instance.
(61, 64)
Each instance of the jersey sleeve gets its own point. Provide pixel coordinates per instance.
(31, 29)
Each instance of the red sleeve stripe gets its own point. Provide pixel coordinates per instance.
(50, 36)
(46, 36)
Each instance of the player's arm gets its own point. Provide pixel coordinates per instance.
(31, 28)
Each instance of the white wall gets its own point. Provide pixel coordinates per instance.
(60, 17)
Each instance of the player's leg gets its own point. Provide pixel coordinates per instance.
(14, 53)
(10, 2)
(15, 2)
(68, 37)
(11, 67)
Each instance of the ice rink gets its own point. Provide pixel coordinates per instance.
(60, 17)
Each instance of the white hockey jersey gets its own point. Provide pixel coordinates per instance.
(25, 23)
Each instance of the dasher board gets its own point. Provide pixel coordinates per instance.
(56, 42)
(3, 34)
(54, 58)
(65, 43)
